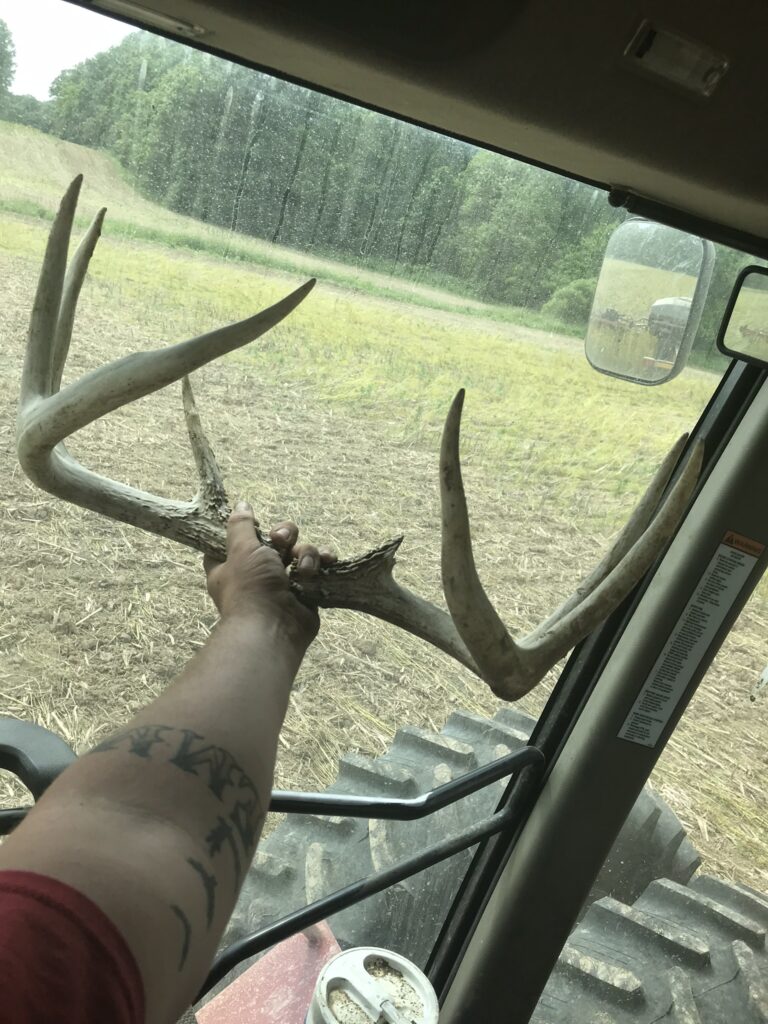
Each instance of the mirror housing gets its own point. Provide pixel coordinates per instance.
(743, 332)
(648, 302)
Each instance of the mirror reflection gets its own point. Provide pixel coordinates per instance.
(746, 333)
(641, 312)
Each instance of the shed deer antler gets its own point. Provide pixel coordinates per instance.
(473, 634)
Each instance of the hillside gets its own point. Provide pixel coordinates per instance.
(36, 168)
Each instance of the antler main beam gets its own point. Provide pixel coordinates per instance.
(473, 634)
(48, 415)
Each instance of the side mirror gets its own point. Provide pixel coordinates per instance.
(648, 302)
(744, 330)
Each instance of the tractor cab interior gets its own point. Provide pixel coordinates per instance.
(563, 210)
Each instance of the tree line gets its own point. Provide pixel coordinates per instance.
(260, 156)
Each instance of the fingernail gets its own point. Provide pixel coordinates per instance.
(243, 506)
(283, 532)
(307, 562)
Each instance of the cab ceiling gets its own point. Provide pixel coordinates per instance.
(543, 79)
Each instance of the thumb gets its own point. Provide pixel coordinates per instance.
(241, 527)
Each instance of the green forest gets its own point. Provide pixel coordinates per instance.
(266, 158)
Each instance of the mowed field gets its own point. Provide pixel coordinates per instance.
(333, 419)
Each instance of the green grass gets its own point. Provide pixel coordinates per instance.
(529, 410)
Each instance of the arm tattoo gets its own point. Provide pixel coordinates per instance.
(216, 767)
(222, 833)
(236, 827)
(209, 884)
(214, 764)
(186, 933)
(139, 741)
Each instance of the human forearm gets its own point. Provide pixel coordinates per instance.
(217, 725)
(157, 825)
(172, 805)
(235, 693)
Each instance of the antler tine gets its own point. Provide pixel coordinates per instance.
(631, 532)
(212, 497)
(36, 376)
(513, 669)
(125, 380)
(73, 282)
(476, 620)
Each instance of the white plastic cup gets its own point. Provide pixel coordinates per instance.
(368, 985)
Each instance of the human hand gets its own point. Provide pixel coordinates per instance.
(254, 581)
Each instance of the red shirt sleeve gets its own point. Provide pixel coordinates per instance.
(61, 958)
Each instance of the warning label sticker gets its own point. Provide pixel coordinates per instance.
(694, 631)
(742, 543)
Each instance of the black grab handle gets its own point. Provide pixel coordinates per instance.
(32, 753)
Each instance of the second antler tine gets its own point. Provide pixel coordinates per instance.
(73, 282)
(36, 375)
(476, 620)
(630, 533)
(513, 669)
(212, 497)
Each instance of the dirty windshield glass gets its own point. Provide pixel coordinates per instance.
(439, 266)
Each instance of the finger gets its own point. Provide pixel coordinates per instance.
(307, 559)
(241, 527)
(284, 535)
(328, 557)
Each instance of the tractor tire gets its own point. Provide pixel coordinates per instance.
(309, 856)
(692, 954)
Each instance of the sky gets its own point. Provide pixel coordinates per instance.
(51, 35)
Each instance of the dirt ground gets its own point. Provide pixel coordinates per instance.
(96, 618)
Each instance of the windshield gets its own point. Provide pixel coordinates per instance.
(439, 266)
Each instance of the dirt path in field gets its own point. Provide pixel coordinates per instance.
(96, 618)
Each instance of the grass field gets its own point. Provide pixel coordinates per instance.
(333, 419)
